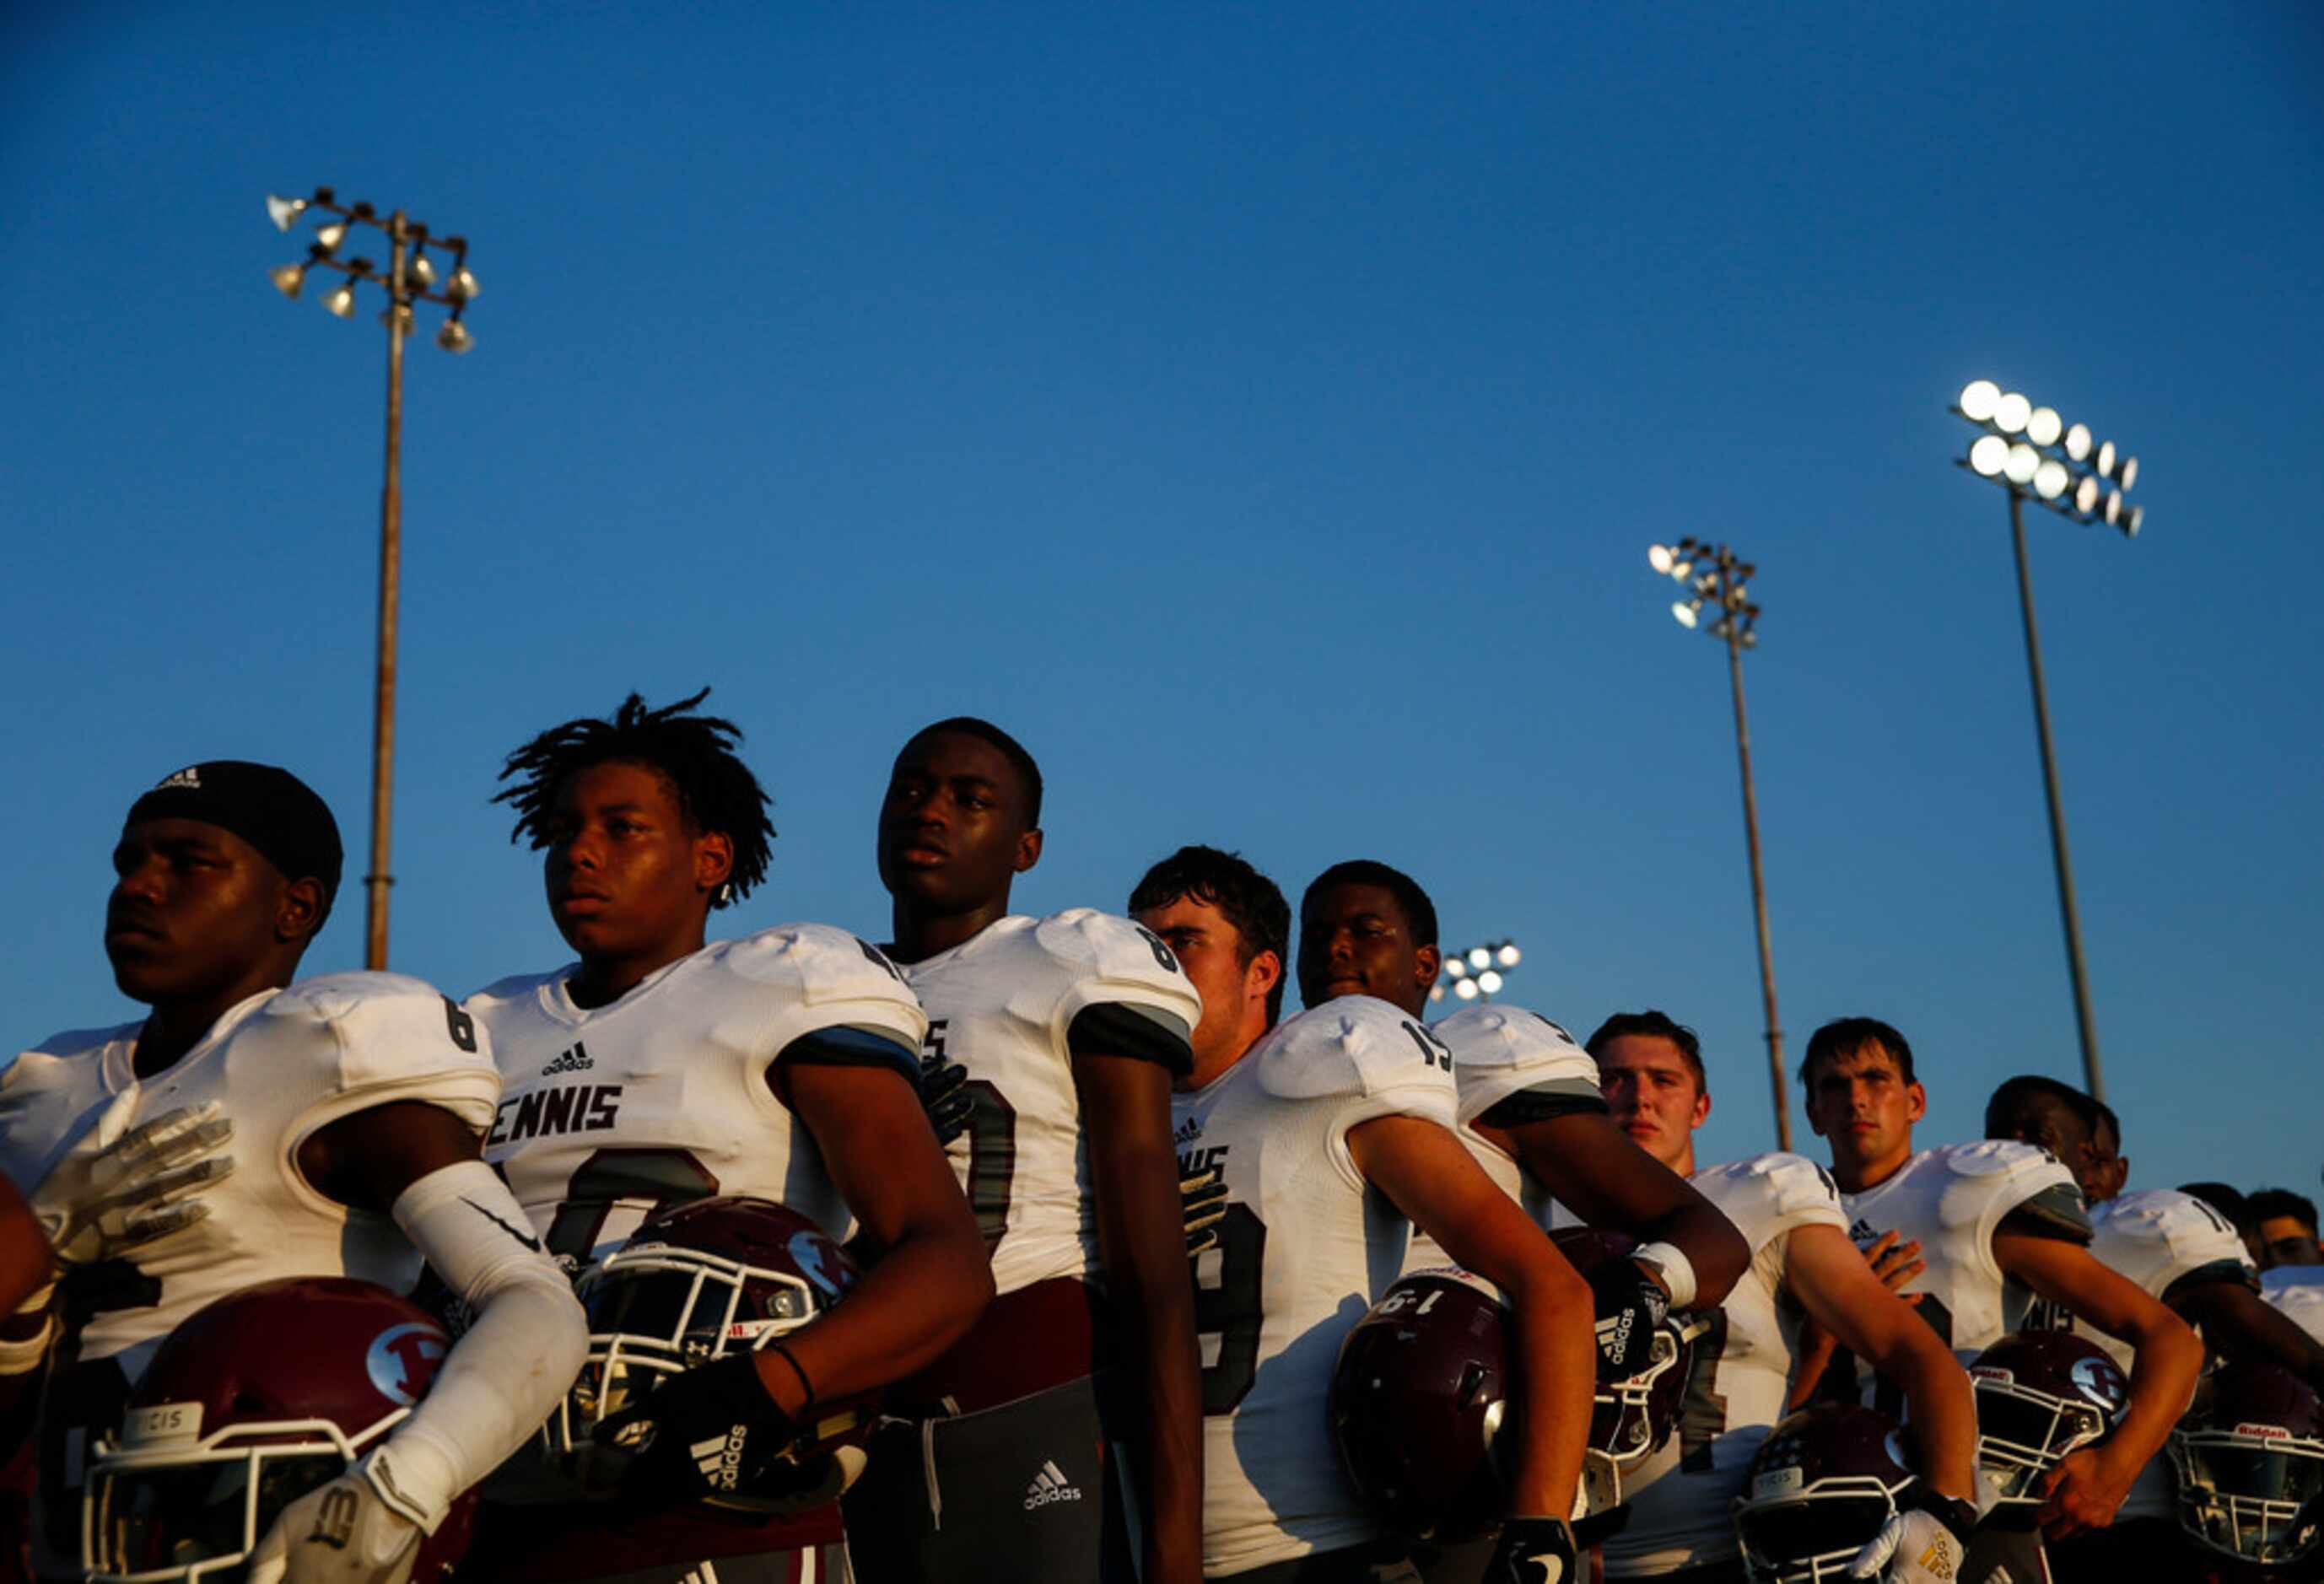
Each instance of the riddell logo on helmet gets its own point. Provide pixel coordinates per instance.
(2264, 1431)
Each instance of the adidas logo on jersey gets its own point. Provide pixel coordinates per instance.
(1050, 1485)
(577, 1060)
(720, 1458)
(1188, 1131)
(1862, 1232)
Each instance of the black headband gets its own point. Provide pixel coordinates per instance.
(272, 809)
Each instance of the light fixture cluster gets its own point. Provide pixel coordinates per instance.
(452, 284)
(1715, 580)
(2031, 450)
(1476, 972)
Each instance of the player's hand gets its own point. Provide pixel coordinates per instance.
(118, 1191)
(1896, 1263)
(344, 1534)
(1534, 1550)
(1629, 1304)
(714, 1436)
(1204, 1199)
(1912, 1548)
(945, 1096)
(2084, 1491)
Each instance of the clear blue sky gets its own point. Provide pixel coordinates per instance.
(1263, 411)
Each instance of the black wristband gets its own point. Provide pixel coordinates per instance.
(1954, 1513)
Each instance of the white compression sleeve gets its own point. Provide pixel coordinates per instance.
(504, 1377)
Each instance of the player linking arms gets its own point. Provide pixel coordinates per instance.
(1302, 1121)
(356, 1103)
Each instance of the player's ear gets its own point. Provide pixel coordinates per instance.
(1427, 964)
(1916, 1101)
(1265, 972)
(299, 910)
(1702, 1107)
(713, 861)
(1028, 852)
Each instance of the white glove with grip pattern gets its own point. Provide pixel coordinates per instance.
(344, 1533)
(121, 1188)
(1912, 1548)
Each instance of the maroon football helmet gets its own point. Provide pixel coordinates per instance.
(1635, 1416)
(2250, 1460)
(696, 1281)
(2041, 1394)
(1824, 1482)
(251, 1403)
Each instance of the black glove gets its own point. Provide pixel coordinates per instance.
(945, 1096)
(710, 1435)
(1202, 1198)
(1629, 1305)
(1535, 1550)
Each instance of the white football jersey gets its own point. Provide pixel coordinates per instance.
(1951, 1201)
(1681, 1498)
(664, 1096)
(1003, 1004)
(2156, 1238)
(284, 1063)
(1303, 1252)
(2299, 1291)
(1499, 1052)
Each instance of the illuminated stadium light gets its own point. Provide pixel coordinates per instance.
(1507, 956)
(1472, 974)
(410, 277)
(1724, 586)
(2054, 464)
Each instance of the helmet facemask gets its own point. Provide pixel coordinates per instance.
(2252, 1492)
(2022, 1433)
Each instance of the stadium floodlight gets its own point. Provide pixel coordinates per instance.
(2055, 464)
(1659, 557)
(1727, 587)
(410, 277)
(1471, 974)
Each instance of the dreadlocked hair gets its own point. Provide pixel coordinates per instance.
(695, 754)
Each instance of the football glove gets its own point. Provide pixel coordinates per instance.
(117, 1190)
(1204, 1199)
(344, 1533)
(1535, 1550)
(1629, 1305)
(714, 1436)
(1916, 1548)
(945, 1096)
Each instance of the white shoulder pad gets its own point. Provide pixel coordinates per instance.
(1768, 1194)
(2186, 1233)
(831, 971)
(1986, 1180)
(1501, 1050)
(516, 987)
(1129, 962)
(1354, 1045)
(387, 1036)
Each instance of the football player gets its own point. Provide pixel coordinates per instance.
(2286, 1223)
(1072, 1028)
(1680, 1526)
(1997, 1225)
(660, 1067)
(2231, 1204)
(2176, 1248)
(357, 1105)
(1333, 1134)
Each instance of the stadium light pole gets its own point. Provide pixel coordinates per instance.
(411, 276)
(2031, 450)
(1476, 974)
(1715, 578)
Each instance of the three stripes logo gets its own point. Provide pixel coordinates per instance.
(720, 1458)
(1050, 1485)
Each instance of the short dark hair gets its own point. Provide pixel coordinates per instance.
(695, 754)
(2010, 1098)
(2108, 1121)
(2270, 1203)
(1244, 897)
(1654, 1025)
(1419, 912)
(2228, 1202)
(1011, 749)
(1844, 1037)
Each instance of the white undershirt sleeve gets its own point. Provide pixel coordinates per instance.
(506, 1374)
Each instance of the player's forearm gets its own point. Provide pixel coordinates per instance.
(1942, 1405)
(926, 1290)
(2163, 1373)
(1713, 1247)
(1144, 1244)
(1556, 1379)
(2241, 1324)
(1817, 1345)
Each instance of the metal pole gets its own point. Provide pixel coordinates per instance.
(391, 548)
(2091, 1080)
(1758, 886)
